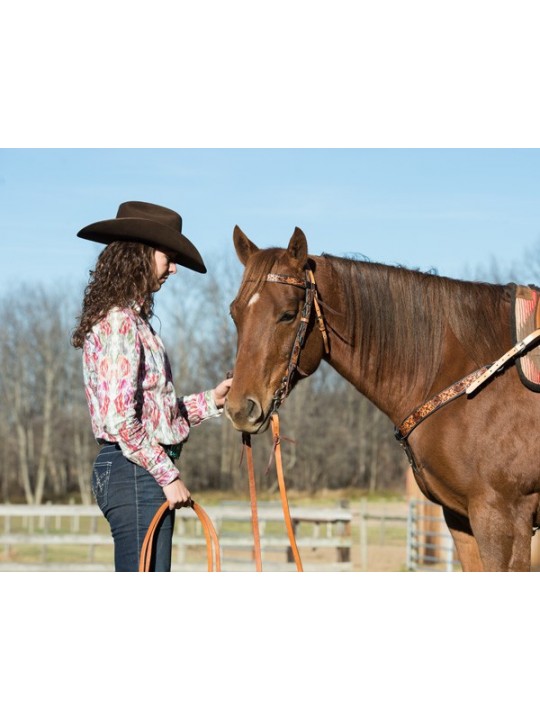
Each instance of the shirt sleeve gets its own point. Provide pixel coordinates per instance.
(198, 407)
(118, 395)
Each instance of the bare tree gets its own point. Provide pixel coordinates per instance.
(36, 380)
(332, 436)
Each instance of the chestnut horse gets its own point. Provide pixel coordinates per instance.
(401, 337)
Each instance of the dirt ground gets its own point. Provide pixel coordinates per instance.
(386, 546)
(382, 544)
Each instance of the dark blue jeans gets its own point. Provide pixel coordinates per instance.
(129, 497)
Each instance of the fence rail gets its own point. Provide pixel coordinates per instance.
(408, 536)
(77, 538)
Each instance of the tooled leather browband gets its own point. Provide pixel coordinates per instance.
(285, 280)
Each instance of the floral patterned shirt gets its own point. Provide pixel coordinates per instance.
(130, 393)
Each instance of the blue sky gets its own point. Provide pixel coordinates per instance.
(449, 209)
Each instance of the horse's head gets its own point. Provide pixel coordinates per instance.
(268, 312)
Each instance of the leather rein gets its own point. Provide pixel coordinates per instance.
(212, 541)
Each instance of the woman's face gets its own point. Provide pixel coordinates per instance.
(163, 267)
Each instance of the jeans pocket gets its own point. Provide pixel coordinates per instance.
(100, 481)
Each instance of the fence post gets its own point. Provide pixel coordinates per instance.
(363, 535)
(411, 534)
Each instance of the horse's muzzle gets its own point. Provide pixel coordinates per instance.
(247, 415)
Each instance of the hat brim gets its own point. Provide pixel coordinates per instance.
(148, 232)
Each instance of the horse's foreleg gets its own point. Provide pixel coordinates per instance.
(503, 536)
(466, 545)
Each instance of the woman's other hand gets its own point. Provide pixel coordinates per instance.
(177, 494)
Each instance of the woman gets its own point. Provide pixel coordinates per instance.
(135, 413)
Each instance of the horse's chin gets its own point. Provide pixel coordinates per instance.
(253, 428)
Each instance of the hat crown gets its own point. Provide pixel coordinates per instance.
(149, 211)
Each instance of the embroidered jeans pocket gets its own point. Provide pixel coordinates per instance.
(100, 482)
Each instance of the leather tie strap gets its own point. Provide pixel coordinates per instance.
(212, 542)
(318, 311)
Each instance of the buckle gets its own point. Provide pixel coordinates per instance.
(173, 451)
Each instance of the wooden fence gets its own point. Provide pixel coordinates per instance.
(76, 538)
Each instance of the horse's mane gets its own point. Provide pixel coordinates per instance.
(405, 314)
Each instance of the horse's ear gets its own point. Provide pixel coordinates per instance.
(243, 245)
(298, 246)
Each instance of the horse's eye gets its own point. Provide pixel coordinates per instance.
(287, 316)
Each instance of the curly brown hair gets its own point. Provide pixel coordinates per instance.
(124, 273)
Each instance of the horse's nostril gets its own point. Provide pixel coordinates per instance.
(253, 409)
(244, 415)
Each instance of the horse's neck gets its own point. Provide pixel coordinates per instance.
(382, 392)
(394, 391)
(344, 345)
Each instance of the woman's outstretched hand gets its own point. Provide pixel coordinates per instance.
(220, 392)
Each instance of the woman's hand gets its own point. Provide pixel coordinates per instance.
(220, 392)
(177, 494)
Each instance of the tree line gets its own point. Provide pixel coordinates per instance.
(334, 438)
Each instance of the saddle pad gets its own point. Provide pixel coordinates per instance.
(526, 316)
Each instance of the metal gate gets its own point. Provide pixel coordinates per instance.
(429, 543)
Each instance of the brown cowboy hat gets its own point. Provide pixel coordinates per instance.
(149, 224)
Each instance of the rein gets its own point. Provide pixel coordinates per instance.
(246, 439)
(212, 542)
(213, 549)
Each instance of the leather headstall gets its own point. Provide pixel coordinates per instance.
(311, 299)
